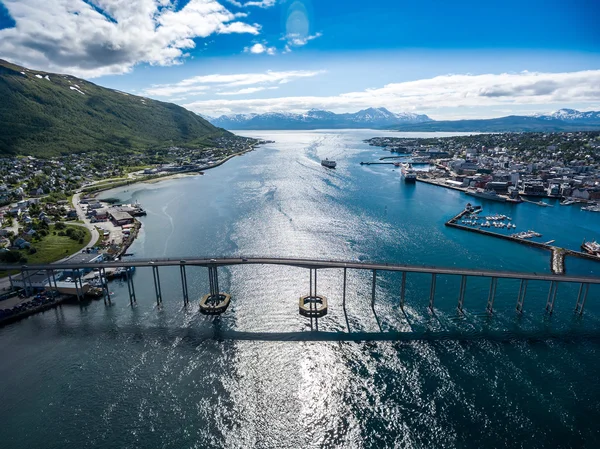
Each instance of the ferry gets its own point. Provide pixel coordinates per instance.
(486, 195)
(329, 164)
(408, 173)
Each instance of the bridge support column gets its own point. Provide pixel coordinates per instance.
(432, 291)
(157, 285)
(50, 288)
(521, 297)
(581, 298)
(492, 295)
(130, 286)
(344, 291)
(104, 285)
(215, 303)
(551, 297)
(314, 305)
(373, 288)
(24, 279)
(461, 295)
(184, 286)
(403, 290)
(78, 285)
(31, 291)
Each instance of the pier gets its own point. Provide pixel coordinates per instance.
(557, 257)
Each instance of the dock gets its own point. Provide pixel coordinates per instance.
(557, 254)
(436, 182)
(537, 203)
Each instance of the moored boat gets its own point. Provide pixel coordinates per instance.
(592, 248)
(329, 164)
(408, 173)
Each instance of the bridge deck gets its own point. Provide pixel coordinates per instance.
(311, 264)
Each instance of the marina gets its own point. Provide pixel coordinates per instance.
(557, 257)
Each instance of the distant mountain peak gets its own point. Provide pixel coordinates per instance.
(571, 115)
(317, 118)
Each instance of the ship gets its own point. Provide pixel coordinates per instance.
(486, 195)
(592, 248)
(329, 164)
(408, 173)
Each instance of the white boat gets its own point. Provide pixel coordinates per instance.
(408, 173)
(591, 248)
(329, 164)
(591, 208)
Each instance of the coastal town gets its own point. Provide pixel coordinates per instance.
(49, 213)
(509, 167)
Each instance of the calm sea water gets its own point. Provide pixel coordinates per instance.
(97, 376)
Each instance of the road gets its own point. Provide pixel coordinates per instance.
(325, 264)
(81, 216)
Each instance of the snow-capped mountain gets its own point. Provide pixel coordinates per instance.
(572, 115)
(316, 118)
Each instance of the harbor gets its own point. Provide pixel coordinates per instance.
(557, 254)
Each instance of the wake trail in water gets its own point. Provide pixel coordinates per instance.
(171, 221)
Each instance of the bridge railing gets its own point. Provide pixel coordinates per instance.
(212, 263)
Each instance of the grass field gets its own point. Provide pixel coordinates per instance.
(54, 247)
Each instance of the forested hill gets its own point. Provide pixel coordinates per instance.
(46, 114)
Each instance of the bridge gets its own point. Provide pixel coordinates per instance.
(311, 304)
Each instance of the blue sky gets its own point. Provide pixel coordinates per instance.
(446, 59)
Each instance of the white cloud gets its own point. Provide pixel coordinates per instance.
(246, 91)
(447, 91)
(260, 4)
(98, 37)
(257, 49)
(206, 82)
(297, 40)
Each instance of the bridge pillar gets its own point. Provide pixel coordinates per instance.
(314, 305)
(551, 297)
(23, 278)
(50, 288)
(461, 295)
(216, 302)
(403, 290)
(521, 297)
(130, 286)
(184, 285)
(78, 284)
(492, 295)
(157, 285)
(432, 291)
(581, 298)
(373, 288)
(104, 285)
(344, 290)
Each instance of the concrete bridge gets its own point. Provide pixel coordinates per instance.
(311, 304)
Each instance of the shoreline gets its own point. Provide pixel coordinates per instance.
(154, 179)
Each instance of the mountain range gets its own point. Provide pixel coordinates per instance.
(381, 118)
(47, 114)
(315, 119)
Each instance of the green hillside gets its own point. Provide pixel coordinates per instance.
(46, 114)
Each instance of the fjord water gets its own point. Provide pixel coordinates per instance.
(96, 376)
